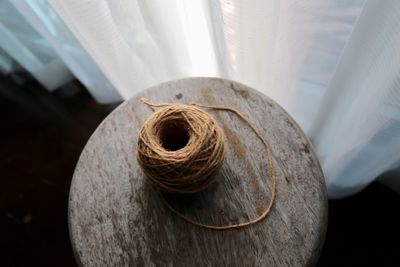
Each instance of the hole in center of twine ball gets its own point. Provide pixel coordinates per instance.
(174, 136)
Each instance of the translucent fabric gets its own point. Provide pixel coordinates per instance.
(333, 65)
(62, 42)
(22, 43)
(7, 64)
(357, 131)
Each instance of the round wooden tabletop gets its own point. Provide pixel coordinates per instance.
(116, 217)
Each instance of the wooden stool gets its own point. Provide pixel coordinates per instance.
(116, 217)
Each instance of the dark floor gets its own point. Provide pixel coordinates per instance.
(41, 137)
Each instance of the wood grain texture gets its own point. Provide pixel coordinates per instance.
(117, 219)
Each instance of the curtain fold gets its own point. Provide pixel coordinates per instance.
(7, 64)
(333, 65)
(63, 44)
(20, 41)
(288, 49)
(357, 132)
(140, 43)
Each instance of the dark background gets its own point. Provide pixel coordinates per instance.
(41, 137)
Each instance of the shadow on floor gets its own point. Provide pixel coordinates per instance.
(41, 138)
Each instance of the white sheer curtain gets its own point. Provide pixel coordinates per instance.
(7, 64)
(357, 131)
(334, 65)
(20, 41)
(57, 39)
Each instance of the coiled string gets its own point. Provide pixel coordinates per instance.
(271, 170)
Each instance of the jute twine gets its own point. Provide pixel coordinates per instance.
(181, 149)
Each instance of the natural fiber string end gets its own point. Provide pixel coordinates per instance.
(147, 102)
(154, 106)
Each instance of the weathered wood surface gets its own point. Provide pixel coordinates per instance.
(117, 219)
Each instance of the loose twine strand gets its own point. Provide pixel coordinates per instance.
(271, 168)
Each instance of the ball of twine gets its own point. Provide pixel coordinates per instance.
(180, 148)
